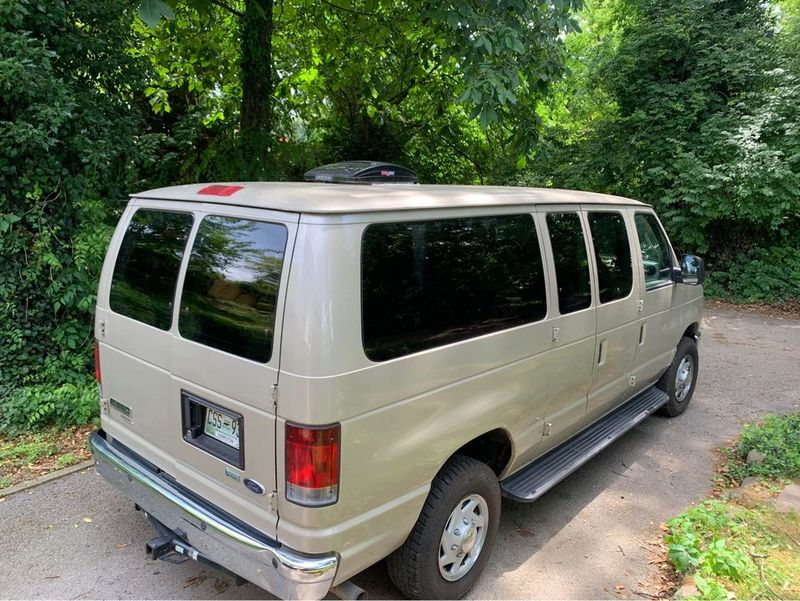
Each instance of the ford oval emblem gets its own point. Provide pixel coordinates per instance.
(254, 486)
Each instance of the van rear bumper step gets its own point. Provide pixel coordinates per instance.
(532, 481)
(211, 535)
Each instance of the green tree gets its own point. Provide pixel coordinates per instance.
(369, 75)
(69, 140)
(698, 116)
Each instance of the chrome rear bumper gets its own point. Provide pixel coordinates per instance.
(217, 537)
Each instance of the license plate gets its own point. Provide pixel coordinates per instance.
(222, 427)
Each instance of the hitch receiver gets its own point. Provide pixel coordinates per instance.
(159, 547)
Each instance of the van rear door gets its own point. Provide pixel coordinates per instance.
(188, 326)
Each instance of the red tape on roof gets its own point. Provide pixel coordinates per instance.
(219, 190)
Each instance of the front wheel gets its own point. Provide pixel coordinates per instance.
(448, 548)
(679, 380)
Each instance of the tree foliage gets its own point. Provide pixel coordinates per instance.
(700, 118)
(69, 140)
(362, 64)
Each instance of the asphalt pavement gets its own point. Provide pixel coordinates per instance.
(589, 537)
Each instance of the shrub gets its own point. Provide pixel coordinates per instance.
(695, 541)
(40, 405)
(778, 439)
(69, 125)
(760, 275)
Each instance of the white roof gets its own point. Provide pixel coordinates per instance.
(302, 197)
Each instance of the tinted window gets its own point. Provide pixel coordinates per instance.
(143, 284)
(613, 255)
(571, 261)
(430, 283)
(231, 286)
(656, 255)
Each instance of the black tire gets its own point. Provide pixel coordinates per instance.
(687, 348)
(414, 567)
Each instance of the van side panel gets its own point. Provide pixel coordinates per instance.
(400, 419)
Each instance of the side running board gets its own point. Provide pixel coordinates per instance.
(532, 481)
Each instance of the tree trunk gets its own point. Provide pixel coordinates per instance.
(257, 87)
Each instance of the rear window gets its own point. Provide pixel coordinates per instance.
(231, 286)
(146, 270)
(430, 283)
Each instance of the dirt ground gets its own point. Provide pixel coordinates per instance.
(589, 537)
(28, 456)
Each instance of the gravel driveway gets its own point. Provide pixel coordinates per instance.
(586, 538)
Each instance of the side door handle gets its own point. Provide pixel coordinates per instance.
(601, 354)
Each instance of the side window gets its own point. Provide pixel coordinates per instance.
(146, 269)
(231, 286)
(612, 253)
(431, 283)
(656, 255)
(571, 261)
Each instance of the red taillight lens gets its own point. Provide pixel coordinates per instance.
(312, 464)
(97, 363)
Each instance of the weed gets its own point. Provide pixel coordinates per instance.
(732, 549)
(28, 452)
(30, 455)
(778, 439)
(66, 460)
(747, 552)
(696, 540)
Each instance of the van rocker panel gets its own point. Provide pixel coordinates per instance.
(531, 482)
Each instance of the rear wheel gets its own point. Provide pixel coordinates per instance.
(679, 380)
(448, 548)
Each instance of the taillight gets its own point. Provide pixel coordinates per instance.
(97, 363)
(312, 464)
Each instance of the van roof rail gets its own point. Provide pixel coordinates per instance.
(361, 172)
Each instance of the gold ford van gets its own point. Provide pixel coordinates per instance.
(298, 380)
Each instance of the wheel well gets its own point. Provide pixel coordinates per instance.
(692, 331)
(492, 448)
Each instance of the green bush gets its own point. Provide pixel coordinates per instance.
(761, 275)
(778, 439)
(731, 550)
(695, 544)
(36, 406)
(70, 132)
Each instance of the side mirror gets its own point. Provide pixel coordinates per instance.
(692, 271)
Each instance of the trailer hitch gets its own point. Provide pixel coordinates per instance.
(171, 547)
